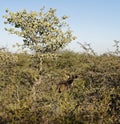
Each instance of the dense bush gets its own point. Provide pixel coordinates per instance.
(28, 96)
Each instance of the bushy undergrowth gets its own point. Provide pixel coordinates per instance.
(30, 97)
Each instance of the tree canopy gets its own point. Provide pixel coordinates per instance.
(41, 31)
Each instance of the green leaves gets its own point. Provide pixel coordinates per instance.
(41, 31)
(26, 96)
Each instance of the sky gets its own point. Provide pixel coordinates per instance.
(93, 21)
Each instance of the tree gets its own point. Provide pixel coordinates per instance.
(42, 31)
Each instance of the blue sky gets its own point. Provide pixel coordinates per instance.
(93, 21)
